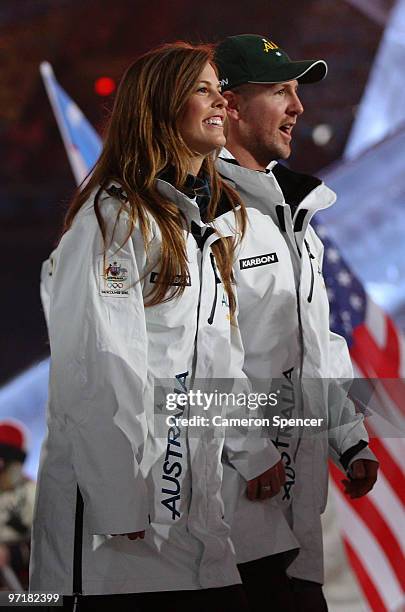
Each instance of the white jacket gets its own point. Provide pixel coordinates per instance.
(284, 323)
(107, 433)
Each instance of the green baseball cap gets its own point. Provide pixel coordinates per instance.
(251, 58)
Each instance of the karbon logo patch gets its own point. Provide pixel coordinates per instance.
(258, 260)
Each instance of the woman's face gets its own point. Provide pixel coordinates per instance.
(202, 121)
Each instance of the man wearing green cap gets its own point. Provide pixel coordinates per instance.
(284, 323)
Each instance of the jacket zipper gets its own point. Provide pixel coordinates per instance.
(301, 399)
(301, 357)
(311, 257)
(217, 282)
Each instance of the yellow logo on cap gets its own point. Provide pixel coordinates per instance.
(269, 45)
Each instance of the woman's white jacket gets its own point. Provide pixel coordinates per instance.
(112, 362)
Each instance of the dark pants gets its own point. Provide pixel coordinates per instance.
(226, 599)
(267, 586)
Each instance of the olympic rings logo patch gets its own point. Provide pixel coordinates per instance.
(115, 277)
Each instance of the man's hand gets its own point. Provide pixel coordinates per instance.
(132, 536)
(363, 478)
(267, 484)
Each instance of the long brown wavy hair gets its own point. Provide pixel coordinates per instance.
(143, 139)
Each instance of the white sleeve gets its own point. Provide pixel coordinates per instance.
(345, 426)
(348, 437)
(99, 376)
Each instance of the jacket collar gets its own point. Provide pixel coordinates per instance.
(195, 187)
(279, 187)
(188, 206)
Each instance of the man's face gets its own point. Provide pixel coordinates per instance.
(266, 117)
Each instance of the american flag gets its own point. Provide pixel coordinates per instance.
(373, 527)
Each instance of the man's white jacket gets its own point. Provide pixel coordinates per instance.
(108, 437)
(284, 323)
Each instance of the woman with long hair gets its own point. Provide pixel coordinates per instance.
(141, 302)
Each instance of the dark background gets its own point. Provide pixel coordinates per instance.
(86, 39)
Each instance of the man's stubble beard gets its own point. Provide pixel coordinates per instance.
(266, 152)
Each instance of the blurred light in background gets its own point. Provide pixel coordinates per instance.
(321, 134)
(104, 86)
